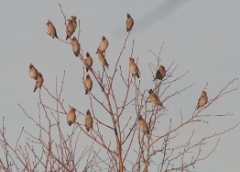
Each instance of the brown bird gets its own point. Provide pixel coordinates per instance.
(133, 68)
(74, 22)
(88, 121)
(88, 84)
(103, 45)
(69, 29)
(51, 30)
(88, 61)
(161, 73)
(202, 99)
(102, 59)
(33, 72)
(75, 46)
(71, 116)
(129, 22)
(154, 98)
(143, 125)
(39, 82)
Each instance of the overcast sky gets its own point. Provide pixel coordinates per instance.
(201, 36)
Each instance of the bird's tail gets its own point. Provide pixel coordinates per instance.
(67, 37)
(138, 75)
(148, 134)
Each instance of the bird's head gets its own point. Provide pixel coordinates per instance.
(131, 59)
(72, 108)
(48, 22)
(150, 91)
(88, 112)
(74, 18)
(162, 67)
(204, 93)
(74, 39)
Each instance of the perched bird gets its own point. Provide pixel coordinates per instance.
(88, 84)
(33, 72)
(133, 68)
(88, 61)
(75, 46)
(74, 22)
(202, 99)
(71, 116)
(39, 82)
(161, 73)
(154, 98)
(69, 29)
(143, 125)
(51, 30)
(103, 45)
(129, 22)
(102, 59)
(88, 121)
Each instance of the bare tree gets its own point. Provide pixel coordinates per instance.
(132, 145)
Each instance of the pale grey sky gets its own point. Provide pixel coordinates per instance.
(202, 36)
